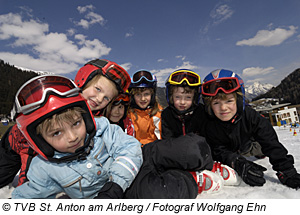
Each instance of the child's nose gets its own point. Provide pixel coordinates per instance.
(99, 98)
(223, 106)
(72, 136)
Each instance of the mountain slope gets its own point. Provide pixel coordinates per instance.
(288, 91)
(12, 79)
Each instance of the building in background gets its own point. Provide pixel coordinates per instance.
(289, 115)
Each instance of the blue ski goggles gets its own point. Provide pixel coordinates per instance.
(142, 76)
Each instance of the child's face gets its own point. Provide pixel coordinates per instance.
(66, 136)
(143, 99)
(182, 100)
(117, 112)
(99, 94)
(226, 108)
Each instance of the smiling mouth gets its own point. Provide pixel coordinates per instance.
(76, 145)
(223, 114)
(93, 103)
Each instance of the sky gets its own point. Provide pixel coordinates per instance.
(258, 39)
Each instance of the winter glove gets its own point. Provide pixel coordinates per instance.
(251, 173)
(110, 190)
(289, 178)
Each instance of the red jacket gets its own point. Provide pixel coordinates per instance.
(19, 144)
(128, 126)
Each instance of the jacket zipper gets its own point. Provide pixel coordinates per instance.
(96, 156)
(72, 183)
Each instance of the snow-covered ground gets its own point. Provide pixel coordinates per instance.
(272, 189)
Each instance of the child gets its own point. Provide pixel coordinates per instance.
(184, 113)
(116, 113)
(232, 126)
(77, 154)
(144, 111)
(100, 81)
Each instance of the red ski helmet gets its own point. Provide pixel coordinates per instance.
(109, 69)
(42, 97)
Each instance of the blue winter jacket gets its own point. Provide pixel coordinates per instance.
(115, 157)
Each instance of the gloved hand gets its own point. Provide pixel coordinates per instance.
(110, 190)
(251, 173)
(289, 178)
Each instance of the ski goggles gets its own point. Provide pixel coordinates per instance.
(227, 85)
(142, 75)
(34, 93)
(123, 98)
(178, 77)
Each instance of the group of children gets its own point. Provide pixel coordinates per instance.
(61, 142)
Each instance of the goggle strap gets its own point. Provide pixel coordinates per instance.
(98, 63)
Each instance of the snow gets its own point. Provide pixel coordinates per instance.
(272, 189)
(257, 89)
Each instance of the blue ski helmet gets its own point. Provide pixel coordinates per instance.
(226, 81)
(143, 78)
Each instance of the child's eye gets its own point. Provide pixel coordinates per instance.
(98, 89)
(57, 133)
(77, 123)
(106, 98)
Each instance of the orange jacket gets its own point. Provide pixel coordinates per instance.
(147, 129)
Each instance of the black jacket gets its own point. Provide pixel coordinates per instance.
(166, 165)
(228, 140)
(175, 124)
